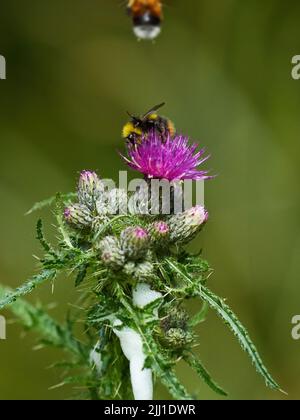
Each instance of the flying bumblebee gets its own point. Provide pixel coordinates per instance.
(138, 127)
(147, 16)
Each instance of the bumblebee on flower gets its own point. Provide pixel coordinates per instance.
(172, 158)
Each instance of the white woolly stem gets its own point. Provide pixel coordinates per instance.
(132, 346)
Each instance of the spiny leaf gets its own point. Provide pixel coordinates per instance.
(200, 316)
(27, 287)
(162, 367)
(50, 201)
(195, 363)
(81, 275)
(239, 331)
(40, 237)
(36, 319)
(59, 208)
(170, 381)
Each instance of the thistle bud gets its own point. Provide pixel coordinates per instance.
(78, 216)
(143, 271)
(90, 189)
(185, 226)
(135, 242)
(178, 338)
(177, 318)
(129, 269)
(159, 232)
(111, 253)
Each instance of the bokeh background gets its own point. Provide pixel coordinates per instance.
(224, 69)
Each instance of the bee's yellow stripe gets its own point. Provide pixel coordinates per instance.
(152, 116)
(171, 128)
(129, 128)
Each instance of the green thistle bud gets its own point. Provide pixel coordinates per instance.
(135, 242)
(129, 269)
(178, 338)
(177, 318)
(90, 189)
(143, 271)
(185, 226)
(159, 232)
(111, 253)
(78, 216)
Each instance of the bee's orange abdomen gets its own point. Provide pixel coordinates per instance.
(139, 7)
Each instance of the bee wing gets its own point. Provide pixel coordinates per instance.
(154, 109)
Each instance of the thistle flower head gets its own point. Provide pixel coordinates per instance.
(159, 232)
(78, 215)
(177, 318)
(177, 338)
(171, 158)
(111, 253)
(161, 228)
(135, 242)
(139, 271)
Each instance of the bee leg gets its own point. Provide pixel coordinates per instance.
(162, 132)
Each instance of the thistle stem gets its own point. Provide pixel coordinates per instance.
(132, 346)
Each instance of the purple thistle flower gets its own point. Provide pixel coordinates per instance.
(172, 158)
(139, 233)
(161, 227)
(159, 232)
(67, 213)
(135, 242)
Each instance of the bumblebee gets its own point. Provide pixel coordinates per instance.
(138, 127)
(147, 16)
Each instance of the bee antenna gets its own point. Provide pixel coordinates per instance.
(135, 119)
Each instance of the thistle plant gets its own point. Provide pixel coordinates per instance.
(135, 277)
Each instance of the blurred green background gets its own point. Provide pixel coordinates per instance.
(224, 69)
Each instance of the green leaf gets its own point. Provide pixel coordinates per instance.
(233, 323)
(171, 382)
(41, 238)
(200, 316)
(50, 201)
(195, 363)
(59, 209)
(36, 319)
(162, 366)
(239, 331)
(82, 272)
(27, 287)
